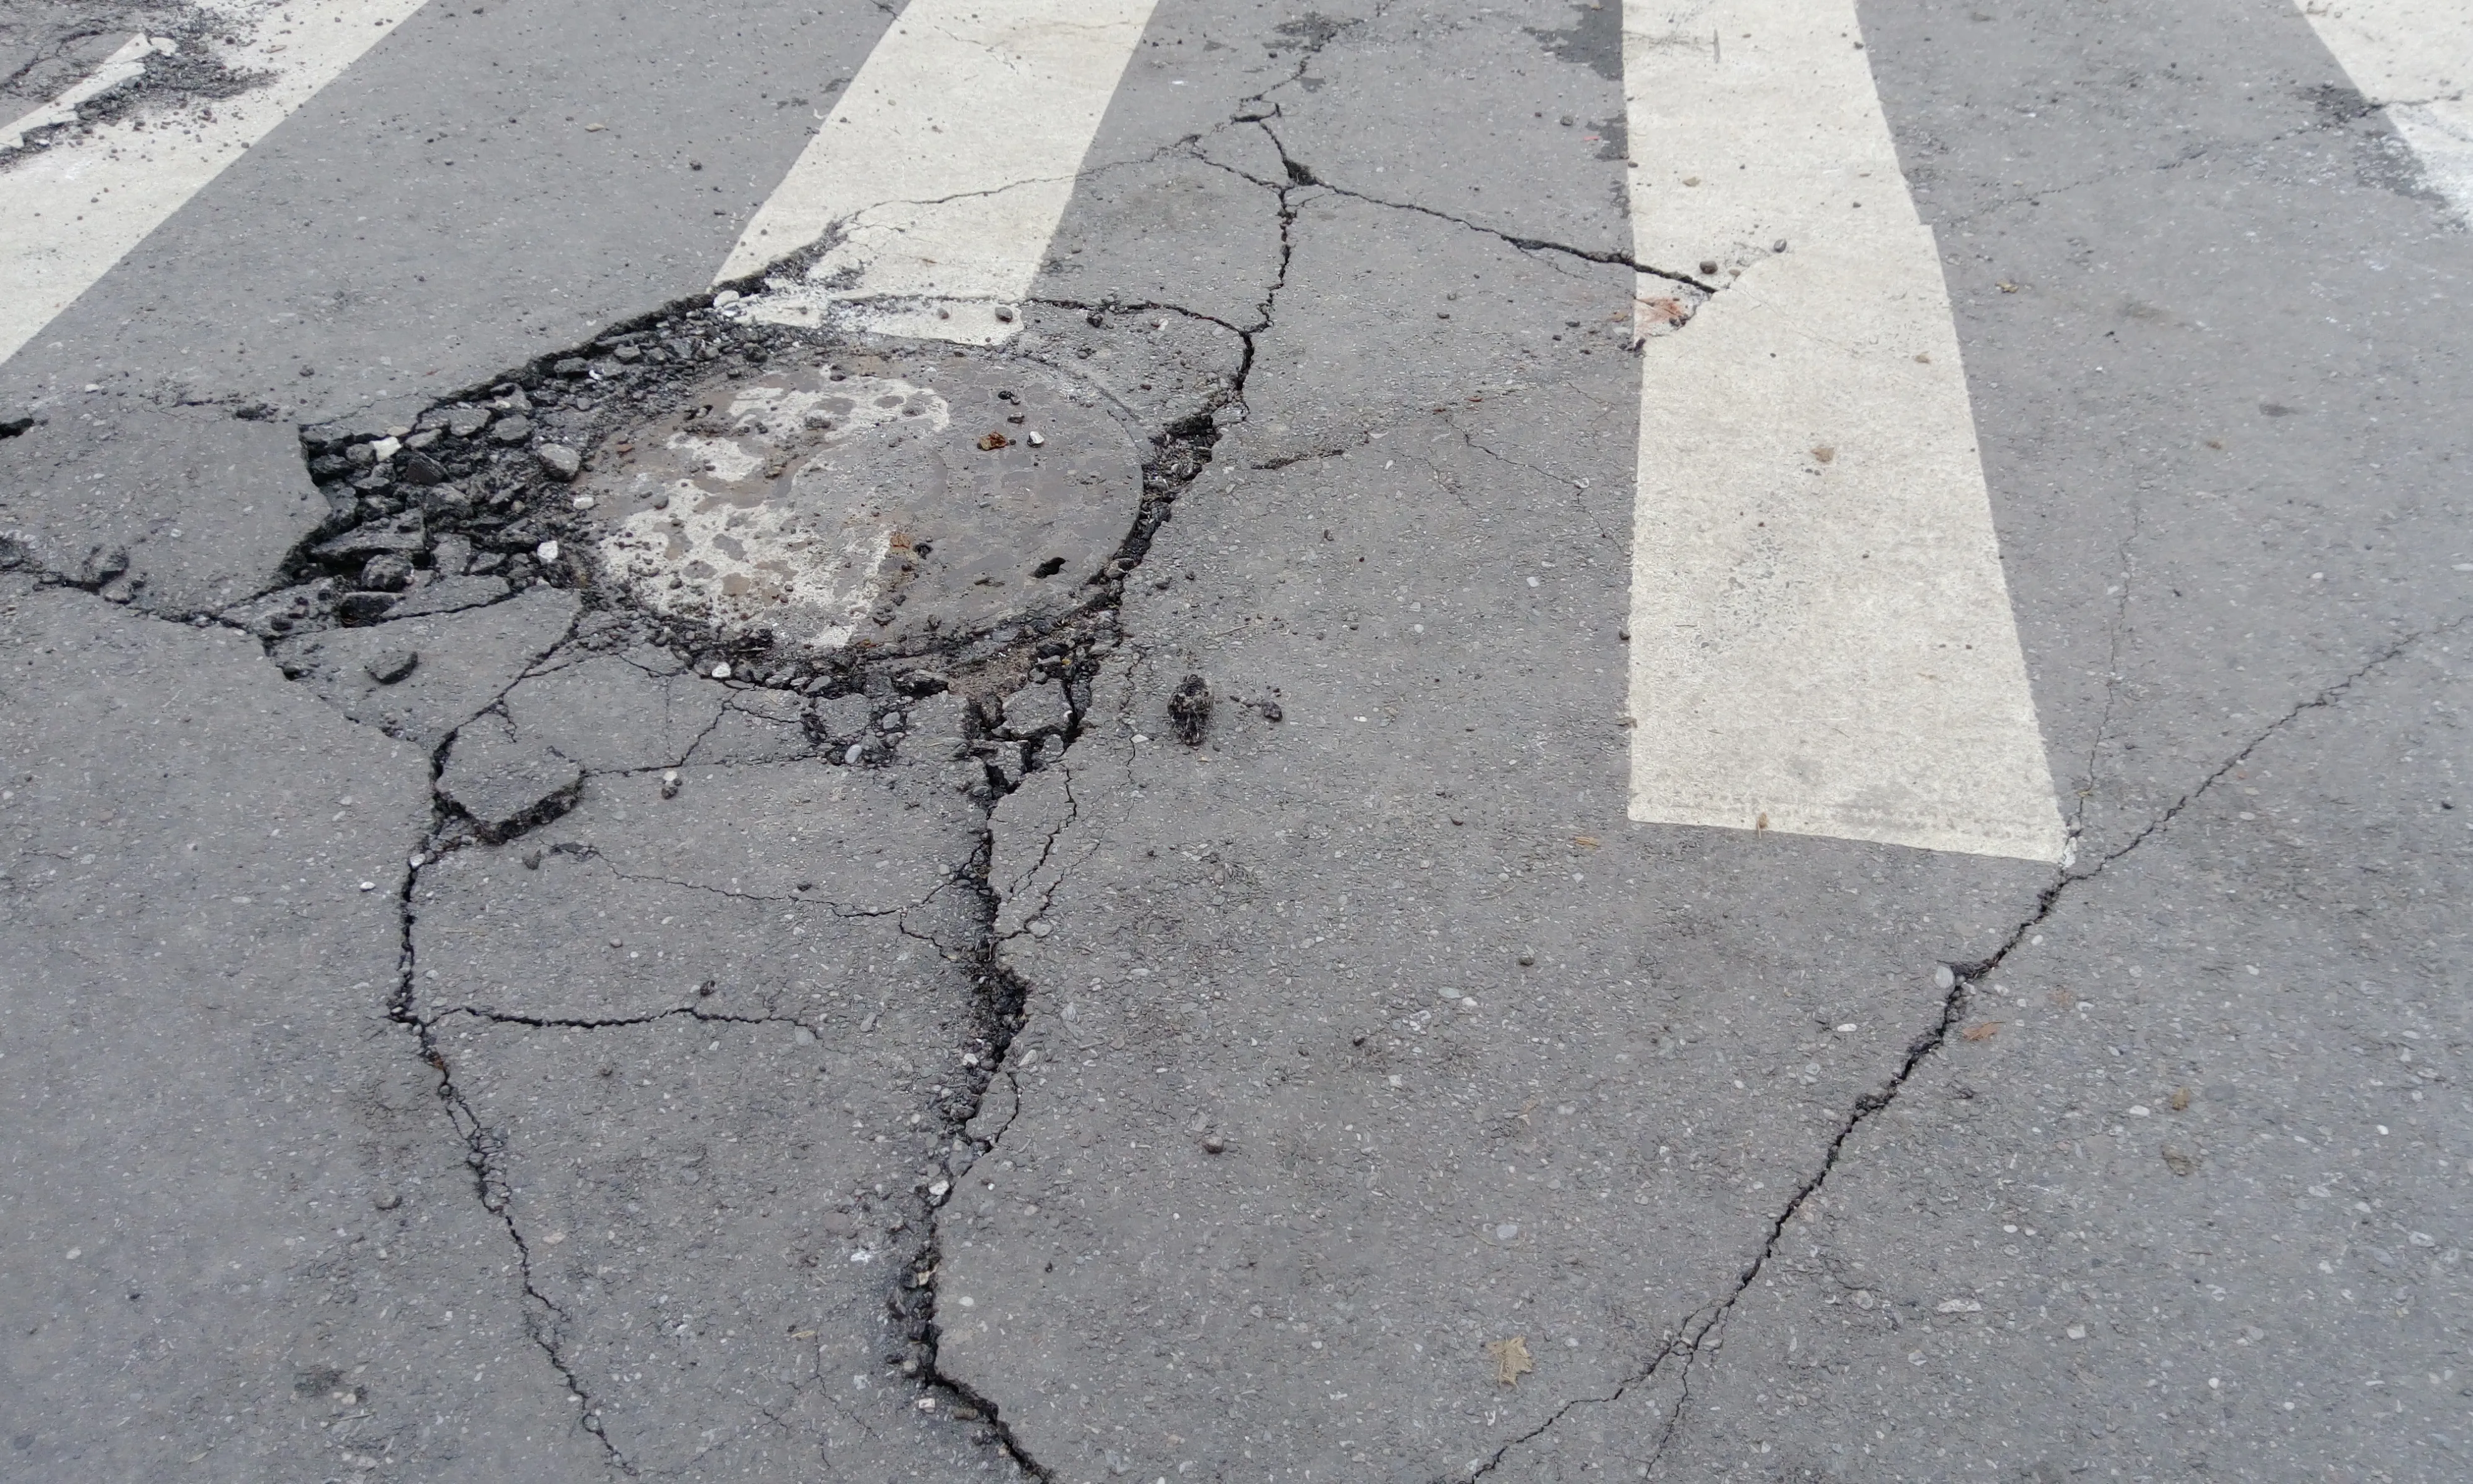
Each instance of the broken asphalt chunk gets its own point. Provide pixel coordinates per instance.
(399, 537)
(450, 594)
(506, 784)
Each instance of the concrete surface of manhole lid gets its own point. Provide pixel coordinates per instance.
(897, 499)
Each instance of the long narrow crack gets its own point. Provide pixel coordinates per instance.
(1702, 1329)
(483, 1155)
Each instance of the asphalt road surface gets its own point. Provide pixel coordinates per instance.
(1133, 739)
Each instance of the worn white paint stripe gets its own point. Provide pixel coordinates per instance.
(68, 212)
(945, 166)
(1821, 636)
(124, 65)
(2414, 57)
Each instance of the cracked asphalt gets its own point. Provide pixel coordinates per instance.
(1206, 1008)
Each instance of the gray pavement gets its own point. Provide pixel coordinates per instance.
(465, 1018)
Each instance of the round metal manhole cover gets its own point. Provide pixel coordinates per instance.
(900, 500)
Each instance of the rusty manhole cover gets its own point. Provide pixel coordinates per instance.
(899, 500)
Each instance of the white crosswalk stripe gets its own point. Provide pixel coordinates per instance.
(69, 212)
(2414, 57)
(1821, 636)
(944, 168)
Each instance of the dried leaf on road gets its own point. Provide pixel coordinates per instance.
(1511, 1359)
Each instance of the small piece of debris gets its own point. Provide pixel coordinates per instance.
(670, 783)
(2180, 1163)
(990, 443)
(1188, 710)
(392, 666)
(1983, 1032)
(1036, 440)
(559, 462)
(1213, 1143)
(1511, 1360)
(2180, 1100)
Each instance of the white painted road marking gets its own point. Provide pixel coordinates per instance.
(2414, 58)
(945, 168)
(71, 211)
(123, 65)
(1821, 636)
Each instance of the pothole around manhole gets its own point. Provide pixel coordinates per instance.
(910, 498)
(718, 477)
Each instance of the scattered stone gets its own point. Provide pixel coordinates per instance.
(505, 785)
(513, 428)
(721, 670)
(1213, 1143)
(451, 555)
(363, 608)
(547, 551)
(386, 573)
(1708, 265)
(278, 612)
(1527, 959)
(1944, 977)
(571, 367)
(669, 782)
(1188, 710)
(920, 683)
(465, 422)
(558, 460)
(451, 594)
(392, 665)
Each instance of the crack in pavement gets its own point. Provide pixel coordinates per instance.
(2114, 629)
(482, 1151)
(1703, 1328)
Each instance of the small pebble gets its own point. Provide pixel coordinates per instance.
(387, 668)
(1944, 977)
(1039, 928)
(1214, 1144)
(1505, 1232)
(1708, 265)
(1036, 440)
(1527, 959)
(547, 551)
(721, 671)
(670, 783)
